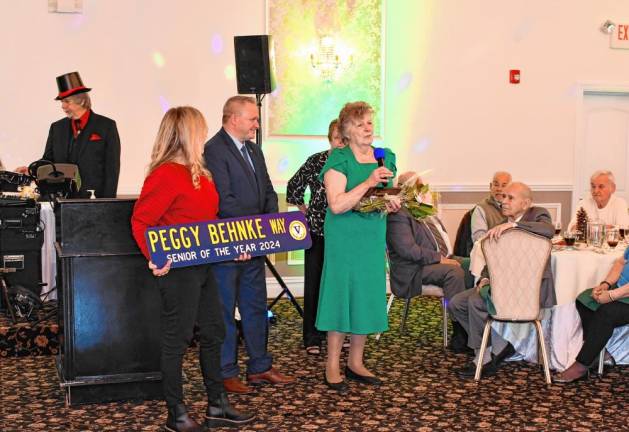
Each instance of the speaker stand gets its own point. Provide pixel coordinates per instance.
(271, 267)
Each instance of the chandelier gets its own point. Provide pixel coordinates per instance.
(329, 60)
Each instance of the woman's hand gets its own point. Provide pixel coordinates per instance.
(379, 175)
(600, 293)
(603, 298)
(243, 257)
(162, 271)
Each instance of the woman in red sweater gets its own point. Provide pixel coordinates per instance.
(179, 189)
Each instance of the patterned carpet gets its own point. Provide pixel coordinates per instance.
(422, 393)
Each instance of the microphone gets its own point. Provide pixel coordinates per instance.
(378, 153)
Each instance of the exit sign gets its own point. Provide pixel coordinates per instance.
(620, 37)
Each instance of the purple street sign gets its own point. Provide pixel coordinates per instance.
(225, 239)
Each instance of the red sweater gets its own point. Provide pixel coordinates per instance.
(169, 198)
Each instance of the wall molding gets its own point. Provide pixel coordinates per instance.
(485, 188)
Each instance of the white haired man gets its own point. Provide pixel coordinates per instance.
(602, 204)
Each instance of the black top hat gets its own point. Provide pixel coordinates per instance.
(70, 84)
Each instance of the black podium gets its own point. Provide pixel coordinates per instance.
(109, 305)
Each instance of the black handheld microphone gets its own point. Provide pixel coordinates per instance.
(378, 153)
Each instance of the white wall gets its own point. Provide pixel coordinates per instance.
(112, 46)
(464, 110)
(458, 102)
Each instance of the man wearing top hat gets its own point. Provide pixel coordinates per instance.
(86, 139)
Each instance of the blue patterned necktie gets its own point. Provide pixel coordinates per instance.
(245, 154)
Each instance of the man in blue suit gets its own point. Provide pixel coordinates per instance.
(244, 187)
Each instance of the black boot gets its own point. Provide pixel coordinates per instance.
(221, 413)
(458, 341)
(179, 421)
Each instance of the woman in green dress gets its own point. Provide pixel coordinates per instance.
(352, 297)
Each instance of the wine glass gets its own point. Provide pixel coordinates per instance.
(557, 228)
(621, 232)
(570, 237)
(613, 237)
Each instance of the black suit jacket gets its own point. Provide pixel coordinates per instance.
(240, 193)
(97, 153)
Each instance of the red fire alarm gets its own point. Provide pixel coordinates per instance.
(514, 76)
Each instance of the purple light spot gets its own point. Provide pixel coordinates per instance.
(217, 44)
(77, 21)
(282, 165)
(421, 145)
(163, 102)
(275, 93)
(457, 188)
(404, 81)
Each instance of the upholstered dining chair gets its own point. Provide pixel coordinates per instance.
(516, 263)
(427, 290)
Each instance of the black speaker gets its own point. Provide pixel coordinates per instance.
(255, 65)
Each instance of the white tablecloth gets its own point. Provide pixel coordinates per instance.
(48, 255)
(574, 271)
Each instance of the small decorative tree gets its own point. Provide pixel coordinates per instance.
(582, 224)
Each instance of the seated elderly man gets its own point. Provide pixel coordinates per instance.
(420, 254)
(470, 309)
(487, 213)
(603, 205)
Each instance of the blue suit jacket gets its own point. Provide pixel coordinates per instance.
(240, 194)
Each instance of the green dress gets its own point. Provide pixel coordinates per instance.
(352, 298)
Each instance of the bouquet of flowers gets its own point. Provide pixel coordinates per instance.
(415, 196)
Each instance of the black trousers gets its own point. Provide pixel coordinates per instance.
(190, 295)
(312, 281)
(598, 327)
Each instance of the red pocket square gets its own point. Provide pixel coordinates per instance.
(95, 137)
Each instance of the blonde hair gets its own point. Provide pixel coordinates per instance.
(234, 104)
(181, 135)
(350, 112)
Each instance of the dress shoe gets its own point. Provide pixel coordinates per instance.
(234, 385)
(458, 341)
(576, 372)
(272, 376)
(365, 379)
(562, 379)
(220, 413)
(459, 347)
(503, 355)
(469, 371)
(340, 387)
(178, 420)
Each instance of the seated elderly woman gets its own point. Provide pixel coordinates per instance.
(602, 309)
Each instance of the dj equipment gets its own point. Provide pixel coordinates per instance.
(255, 68)
(21, 239)
(11, 181)
(54, 180)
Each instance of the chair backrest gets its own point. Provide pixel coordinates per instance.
(463, 243)
(516, 263)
